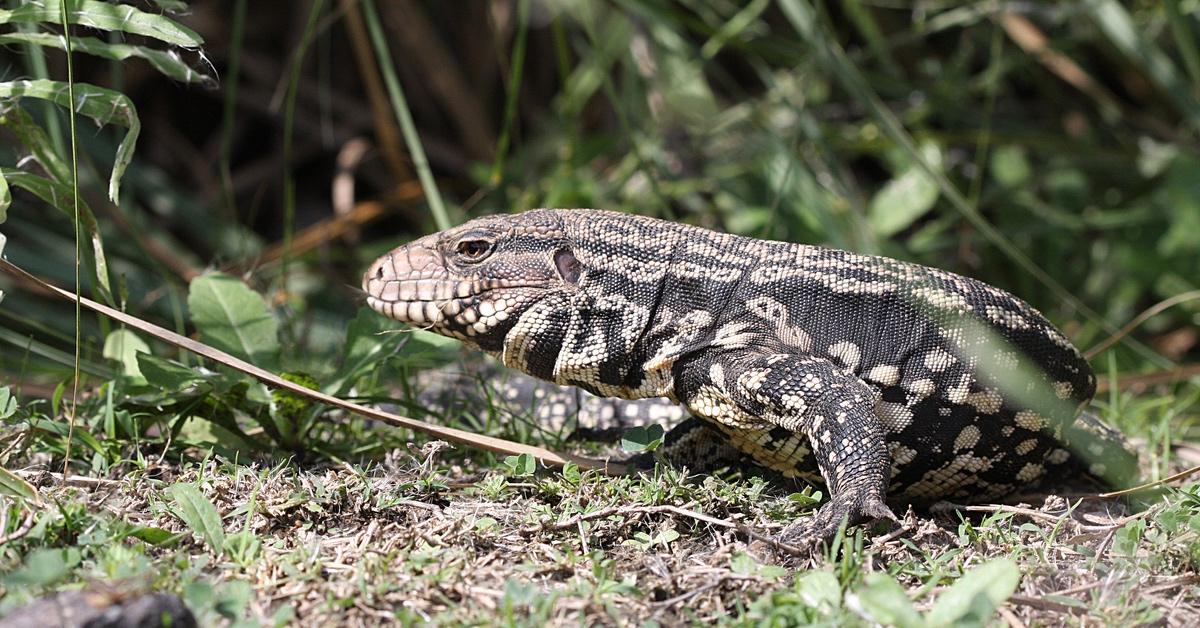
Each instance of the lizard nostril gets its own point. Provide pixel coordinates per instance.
(379, 273)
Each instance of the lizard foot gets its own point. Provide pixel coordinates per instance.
(851, 507)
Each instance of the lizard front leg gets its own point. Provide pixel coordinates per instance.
(788, 411)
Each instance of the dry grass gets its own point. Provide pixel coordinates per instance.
(417, 539)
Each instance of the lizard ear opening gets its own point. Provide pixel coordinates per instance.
(569, 267)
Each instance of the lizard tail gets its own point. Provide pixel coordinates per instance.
(1101, 452)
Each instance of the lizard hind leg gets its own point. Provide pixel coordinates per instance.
(831, 407)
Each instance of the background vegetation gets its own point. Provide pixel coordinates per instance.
(1049, 149)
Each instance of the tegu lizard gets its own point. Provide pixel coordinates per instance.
(884, 381)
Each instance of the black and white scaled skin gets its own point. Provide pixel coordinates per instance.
(885, 381)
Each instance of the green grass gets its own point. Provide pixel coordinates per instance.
(931, 135)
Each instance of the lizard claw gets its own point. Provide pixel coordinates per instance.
(852, 508)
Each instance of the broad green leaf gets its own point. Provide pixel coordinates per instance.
(124, 346)
(907, 197)
(884, 601)
(61, 197)
(520, 466)
(642, 438)
(165, 374)
(166, 62)
(14, 485)
(234, 318)
(195, 510)
(819, 589)
(105, 106)
(8, 401)
(107, 17)
(44, 567)
(974, 598)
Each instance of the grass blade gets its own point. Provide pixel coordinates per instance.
(804, 19)
(105, 17)
(404, 116)
(1118, 26)
(105, 106)
(195, 510)
(514, 89)
(168, 63)
(62, 197)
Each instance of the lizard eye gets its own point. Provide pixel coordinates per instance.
(473, 250)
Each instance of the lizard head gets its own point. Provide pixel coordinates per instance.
(474, 281)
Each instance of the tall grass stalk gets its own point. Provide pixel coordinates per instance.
(78, 226)
(404, 116)
(228, 107)
(517, 66)
(289, 119)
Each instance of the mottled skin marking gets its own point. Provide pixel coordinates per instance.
(881, 379)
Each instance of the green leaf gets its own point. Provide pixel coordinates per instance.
(167, 62)
(61, 197)
(107, 17)
(1010, 167)
(165, 374)
(818, 589)
(807, 497)
(105, 106)
(5, 198)
(14, 485)
(642, 438)
(520, 466)
(234, 318)
(365, 346)
(1128, 537)
(572, 474)
(907, 197)
(8, 401)
(61, 428)
(195, 510)
(152, 535)
(974, 598)
(171, 6)
(885, 602)
(35, 139)
(124, 346)
(44, 567)
(745, 564)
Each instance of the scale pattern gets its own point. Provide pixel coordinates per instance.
(885, 381)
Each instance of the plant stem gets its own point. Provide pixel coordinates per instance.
(404, 117)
